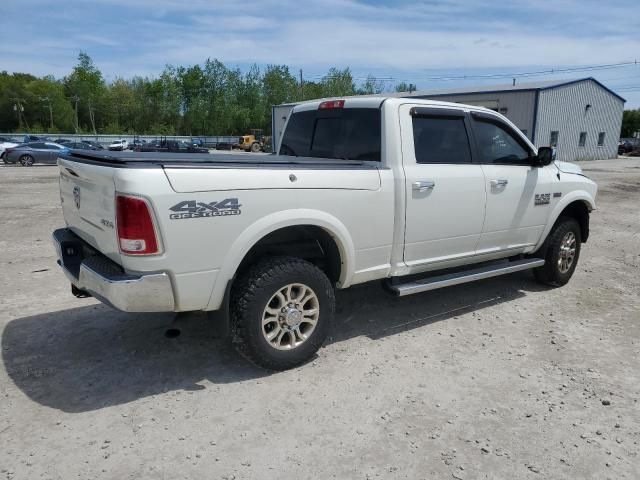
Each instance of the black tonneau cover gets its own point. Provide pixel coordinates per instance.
(209, 160)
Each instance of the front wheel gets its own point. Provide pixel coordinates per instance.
(562, 253)
(280, 312)
(255, 147)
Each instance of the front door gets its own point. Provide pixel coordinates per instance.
(518, 193)
(445, 191)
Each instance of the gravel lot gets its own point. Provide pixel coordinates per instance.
(501, 379)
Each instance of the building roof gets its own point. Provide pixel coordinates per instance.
(518, 87)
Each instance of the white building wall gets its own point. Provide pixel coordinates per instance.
(279, 113)
(564, 109)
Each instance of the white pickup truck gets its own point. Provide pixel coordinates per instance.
(420, 194)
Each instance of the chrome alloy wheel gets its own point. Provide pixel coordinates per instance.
(567, 252)
(290, 317)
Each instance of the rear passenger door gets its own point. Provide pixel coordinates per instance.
(518, 193)
(445, 190)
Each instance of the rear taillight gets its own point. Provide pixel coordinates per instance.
(136, 232)
(328, 105)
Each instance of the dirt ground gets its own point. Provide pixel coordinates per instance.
(500, 379)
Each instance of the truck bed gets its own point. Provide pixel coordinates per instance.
(210, 160)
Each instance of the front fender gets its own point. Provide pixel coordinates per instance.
(574, 196)
(282, 219)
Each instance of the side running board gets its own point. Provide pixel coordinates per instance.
(449, 279)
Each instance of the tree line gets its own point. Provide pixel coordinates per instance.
(630, 123)
(208, 99)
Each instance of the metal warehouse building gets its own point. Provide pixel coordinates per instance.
(582, 118)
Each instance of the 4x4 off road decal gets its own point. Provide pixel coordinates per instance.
(193, 209)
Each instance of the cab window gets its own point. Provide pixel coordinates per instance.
(496, 144)
(441, 140)
(344, 134)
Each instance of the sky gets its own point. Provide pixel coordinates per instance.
(396, 40)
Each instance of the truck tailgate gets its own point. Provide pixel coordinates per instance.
(87, 193)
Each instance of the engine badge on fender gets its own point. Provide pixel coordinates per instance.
(194, 209)
(542, 199)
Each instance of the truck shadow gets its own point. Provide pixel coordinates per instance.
(88, 358)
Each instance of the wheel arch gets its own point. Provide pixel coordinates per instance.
(576, 205)
(328, 232)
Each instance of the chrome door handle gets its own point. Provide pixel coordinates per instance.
(424, 185)
(501, 182)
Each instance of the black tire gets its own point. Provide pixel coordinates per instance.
(255, 147)
(26, 160)
(552, 273)
(252, 293)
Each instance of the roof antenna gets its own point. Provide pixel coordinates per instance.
(514, 82)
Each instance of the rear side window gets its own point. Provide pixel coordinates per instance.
(346, 134)
(441, 140)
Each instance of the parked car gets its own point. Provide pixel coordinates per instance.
(418, 194)
(4, 144)
(118, 145)
(80, 146)
(35, 152)
(33, 138)
(164, 145)
(624, 146)
(136, 143)
(94, 145)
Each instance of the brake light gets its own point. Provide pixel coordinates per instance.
(136, 232)
(330, 104)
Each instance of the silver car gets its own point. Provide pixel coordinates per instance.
(35, 152)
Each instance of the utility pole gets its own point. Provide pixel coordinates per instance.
(76, 99)
(92, 118)
(48, 100)
(301, 86)
(19, 109)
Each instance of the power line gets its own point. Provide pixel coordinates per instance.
(535, 73)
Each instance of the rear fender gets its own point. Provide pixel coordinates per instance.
(287, 218)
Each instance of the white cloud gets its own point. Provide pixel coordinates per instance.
(404, 40)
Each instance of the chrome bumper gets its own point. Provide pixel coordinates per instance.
(92, 272)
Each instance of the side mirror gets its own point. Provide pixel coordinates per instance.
(545, 156)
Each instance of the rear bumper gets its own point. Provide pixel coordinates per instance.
(94, 273)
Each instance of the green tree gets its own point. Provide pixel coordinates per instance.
(278, 86)
(48, 105)
(371, 86)
(86, 89)
(405, 87)
(630, 123)
(338, 83)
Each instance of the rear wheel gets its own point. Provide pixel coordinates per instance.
(280, 312)
(562, 253)
(255, 147)
(26, 160)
